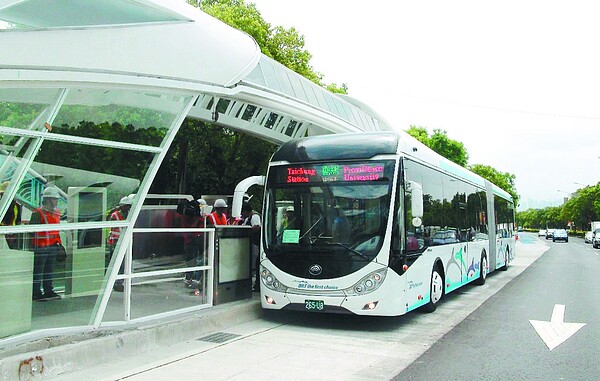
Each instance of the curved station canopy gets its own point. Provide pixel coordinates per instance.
(170, 44)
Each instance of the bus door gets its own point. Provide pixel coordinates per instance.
(463, 231)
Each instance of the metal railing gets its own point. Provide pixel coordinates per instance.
(131, 278)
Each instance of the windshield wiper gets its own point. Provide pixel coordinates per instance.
(311, 228)
(348, 248)
(313, 239)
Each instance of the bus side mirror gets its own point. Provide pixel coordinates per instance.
(416, 204)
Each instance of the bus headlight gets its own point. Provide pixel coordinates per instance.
(270, 281)
(368, 284)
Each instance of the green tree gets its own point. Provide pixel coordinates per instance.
(504, 180)
(552, 217)
(455, 151)
(419, 133)
(526, 218)
(549, 217)
(334, 88)
(583, 207)
(242, 16)
(439, 141)
(212, 162)
(285, 46)
(449, 148)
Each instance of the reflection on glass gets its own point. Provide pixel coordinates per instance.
(20, 108)
(78, 279)
(118, 115)
(87, 170)
(169, 250)
(157, 294)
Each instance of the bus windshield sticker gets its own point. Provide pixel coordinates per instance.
(291, 236)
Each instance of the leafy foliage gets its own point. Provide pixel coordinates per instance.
(285, 46)
(504, 180)
(101, 159)
(440, 142)
(206, 159)
(455, 151)
(343, 89)
(242, 16)
(17, 114)
(581, 209)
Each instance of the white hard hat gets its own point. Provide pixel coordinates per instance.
(126, 201)
(201, 202)
(50, 192)
(220, 203)
(289, 209)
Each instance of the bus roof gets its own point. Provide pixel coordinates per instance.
(338, 147)
(365, 145)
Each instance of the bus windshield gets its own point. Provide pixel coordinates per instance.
(334, 215)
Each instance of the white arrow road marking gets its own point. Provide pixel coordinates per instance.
(556, 331)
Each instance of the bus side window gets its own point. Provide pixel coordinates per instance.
(415, 240)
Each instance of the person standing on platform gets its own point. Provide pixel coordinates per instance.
(120, 214)
(233, 220)
(218, 216)
(193, 243)
(46, 245)
(252, 218)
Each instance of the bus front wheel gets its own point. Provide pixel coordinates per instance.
(436, 290)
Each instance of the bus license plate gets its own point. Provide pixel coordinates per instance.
(314, 305)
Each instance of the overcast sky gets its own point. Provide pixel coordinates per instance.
(518, 82)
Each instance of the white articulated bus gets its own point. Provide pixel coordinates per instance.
(376, 224)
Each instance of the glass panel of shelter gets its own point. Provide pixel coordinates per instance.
(284, 81)
(22, 108)
(270, 75)
(118, 115)
(91, 181)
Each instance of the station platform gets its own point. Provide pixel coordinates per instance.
(62, 356)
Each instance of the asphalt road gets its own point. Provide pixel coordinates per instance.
(498, 341)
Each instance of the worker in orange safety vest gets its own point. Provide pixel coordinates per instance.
(120, 214)
(46, 245)
(218, 217)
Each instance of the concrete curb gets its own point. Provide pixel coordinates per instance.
(76, 353)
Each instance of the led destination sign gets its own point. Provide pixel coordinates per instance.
(332, 173)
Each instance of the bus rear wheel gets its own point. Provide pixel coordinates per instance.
(436, 290)
(482, 270)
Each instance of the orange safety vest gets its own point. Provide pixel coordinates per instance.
(48, 238)
(218, 220)
(115, 233)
